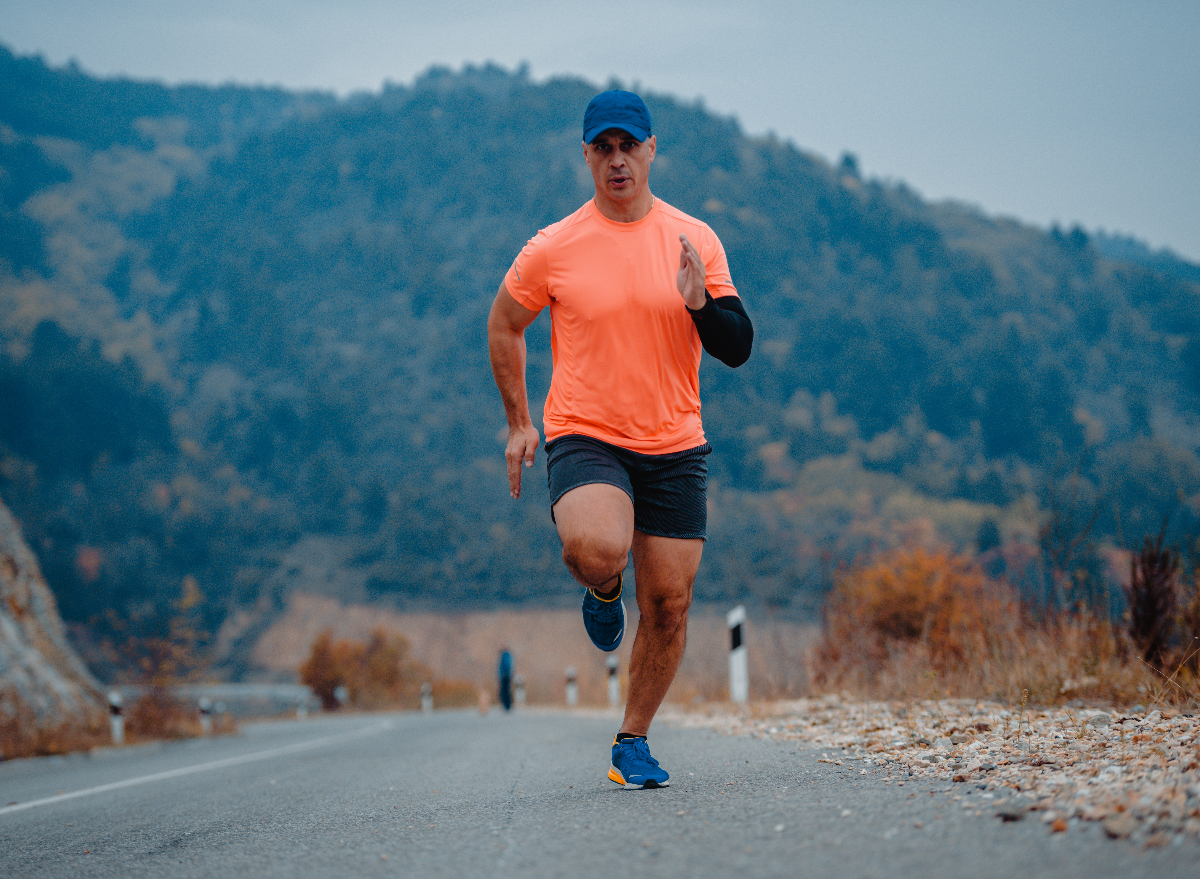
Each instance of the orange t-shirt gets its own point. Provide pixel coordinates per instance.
(626, 352)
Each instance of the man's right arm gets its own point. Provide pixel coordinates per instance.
(506, 347)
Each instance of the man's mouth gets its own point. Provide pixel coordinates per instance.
(618, 181)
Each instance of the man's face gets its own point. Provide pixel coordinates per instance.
(620, 164)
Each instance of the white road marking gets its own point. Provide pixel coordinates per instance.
(201, 767)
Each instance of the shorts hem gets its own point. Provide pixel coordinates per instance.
(588, 481)
(701, 536)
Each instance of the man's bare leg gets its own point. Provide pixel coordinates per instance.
(595, 525)
(665, 569)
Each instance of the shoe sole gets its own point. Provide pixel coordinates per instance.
(615, 776)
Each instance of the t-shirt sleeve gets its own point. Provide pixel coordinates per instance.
(717, 280)
(528, 278)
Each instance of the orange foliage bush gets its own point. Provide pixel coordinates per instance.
(920, 624)
(934, 599)
(159, 714)
(377, 674)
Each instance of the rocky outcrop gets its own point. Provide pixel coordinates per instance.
(39, 671)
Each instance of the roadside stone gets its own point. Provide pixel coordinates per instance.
(1011, 811)
(1141, 775)
(1119, 826)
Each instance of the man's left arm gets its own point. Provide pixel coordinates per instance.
(725, 329)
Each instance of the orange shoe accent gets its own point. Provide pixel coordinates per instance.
(614, 775)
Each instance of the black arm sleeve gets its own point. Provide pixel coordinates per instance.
(725, 329)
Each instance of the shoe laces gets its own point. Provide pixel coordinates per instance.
(640, 749)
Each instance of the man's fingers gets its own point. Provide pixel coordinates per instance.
(521, 451)
(514, 477)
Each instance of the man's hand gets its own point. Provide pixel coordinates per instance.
(690, 279)
(522, 444)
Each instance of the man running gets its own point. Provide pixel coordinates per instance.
(635, 290)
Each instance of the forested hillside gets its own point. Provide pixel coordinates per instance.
(242, 341)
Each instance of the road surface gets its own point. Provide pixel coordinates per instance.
(460, 795)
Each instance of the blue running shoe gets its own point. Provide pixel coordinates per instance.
(633, 768)
(604, 619)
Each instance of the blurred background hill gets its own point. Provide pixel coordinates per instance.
(242, 353)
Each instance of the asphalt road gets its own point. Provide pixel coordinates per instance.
(523, 795)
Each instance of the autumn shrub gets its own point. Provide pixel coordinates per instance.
(159, 714)
(924, 624)
(375, 674)
(937, 602)
(1189, 614)
(322, 673)
(1153, 600)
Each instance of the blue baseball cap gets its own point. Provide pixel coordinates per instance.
(616, 109)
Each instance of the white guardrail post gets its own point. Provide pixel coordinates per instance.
(614, 681)
(116, 720)
(739, 673)
(572, 687)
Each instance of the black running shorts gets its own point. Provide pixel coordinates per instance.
(668, 491)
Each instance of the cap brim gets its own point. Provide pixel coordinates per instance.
(599, 128)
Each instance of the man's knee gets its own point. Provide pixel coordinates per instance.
(667, 613)
(594, 560)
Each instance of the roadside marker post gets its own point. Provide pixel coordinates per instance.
(426, 698)
(206, 718)
(519, 689)
(614, 682)
(739, 673)
(572, 687)
(116, 720)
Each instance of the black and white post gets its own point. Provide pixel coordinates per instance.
(572, 687)
(614, 681)
(739, 673)
(427, 698)
(116, 720)
(206, 715)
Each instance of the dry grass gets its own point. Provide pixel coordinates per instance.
(160, 715)
(927, 625)
(154, 716)
(24, 734)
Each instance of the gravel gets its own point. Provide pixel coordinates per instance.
(1137, 772)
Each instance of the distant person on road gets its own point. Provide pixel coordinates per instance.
(504, 672)
(636, 289)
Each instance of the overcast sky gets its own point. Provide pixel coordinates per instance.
(1062, 111)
